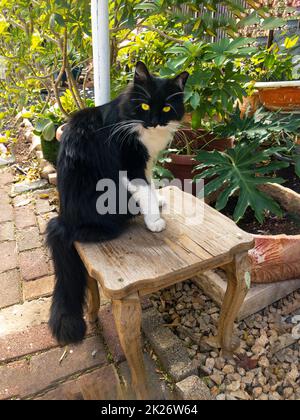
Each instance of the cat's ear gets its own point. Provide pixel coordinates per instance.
(141, 73)
(181, 79)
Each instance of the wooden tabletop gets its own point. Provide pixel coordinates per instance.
(197, 238)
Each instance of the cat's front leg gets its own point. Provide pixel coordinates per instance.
(146, 197)
(161, 200)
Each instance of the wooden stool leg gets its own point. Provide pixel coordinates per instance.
(93, 300)
(128, 316)
(238, 271)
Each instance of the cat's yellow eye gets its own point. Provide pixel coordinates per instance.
(167, 109)
(145, 107)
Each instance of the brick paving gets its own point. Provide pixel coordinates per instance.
(32, 365)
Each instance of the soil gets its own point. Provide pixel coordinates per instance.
(293, 181)
(21, 148)
(289, 224)
(273, 225)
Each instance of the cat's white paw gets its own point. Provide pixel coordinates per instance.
(155, 226)
(162, 202)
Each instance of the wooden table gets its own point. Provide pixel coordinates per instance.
(197, 238)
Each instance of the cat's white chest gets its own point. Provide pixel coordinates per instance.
(155, 140)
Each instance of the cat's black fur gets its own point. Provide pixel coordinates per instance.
(89, 152)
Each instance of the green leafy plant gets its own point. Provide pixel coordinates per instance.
(273, 63)
(241, 170)
(215, 83)
(264, 144)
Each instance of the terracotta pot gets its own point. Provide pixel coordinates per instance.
(59, 131)
(182, 166)
(250, 104)
(275, 258)
(200, 139)
(283, 96)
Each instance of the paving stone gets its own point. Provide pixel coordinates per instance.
(8, 260)
(38, 288)
(168, 347)
(25, 186)
(24, 217)
(6, 178)
(7, 231)
(10, 289)
(33, 264)
(17, 318)
(158, 389)
(32, 376)
(66, 391)
(6, 213)
(21, 200)
(43, 220)
(193, 388)
(110, 334)
(101, 384)
(51, 270)
(22, 343)
(43, 206)
(4, 196)
(28, 238)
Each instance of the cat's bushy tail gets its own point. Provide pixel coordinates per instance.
(66, 317)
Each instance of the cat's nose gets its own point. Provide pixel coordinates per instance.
(154, 123)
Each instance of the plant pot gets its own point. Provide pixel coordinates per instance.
(182, 166)
(275, 258)
(249, 104)
(50, 150)
(284, 96)
(59, 131)
(200, 139)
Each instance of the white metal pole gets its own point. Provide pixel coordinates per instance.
(101, 51)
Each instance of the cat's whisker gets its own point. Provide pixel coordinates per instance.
(124, 126)
(171, 106)
(143, 89)
(174, 94)
(141, 94)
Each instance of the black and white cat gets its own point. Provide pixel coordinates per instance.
(123, 136)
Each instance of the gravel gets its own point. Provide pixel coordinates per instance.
(267, 364)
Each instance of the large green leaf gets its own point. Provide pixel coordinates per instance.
(41, 124)
(273, 23)
(49, 131)
(297, 165)
(242, 170)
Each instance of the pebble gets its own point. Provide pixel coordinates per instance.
(228, 369)
(264, 397)
(210, 364)
(219, 363)
(180, 306)
(248, 379)
(234, 386)
(274, 396)
(217, 378)
(257, 392)
(276, 377)
(264, 362)
(288, 392)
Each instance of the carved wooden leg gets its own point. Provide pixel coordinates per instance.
(238, 273)
(93, 300)
(128, 316)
